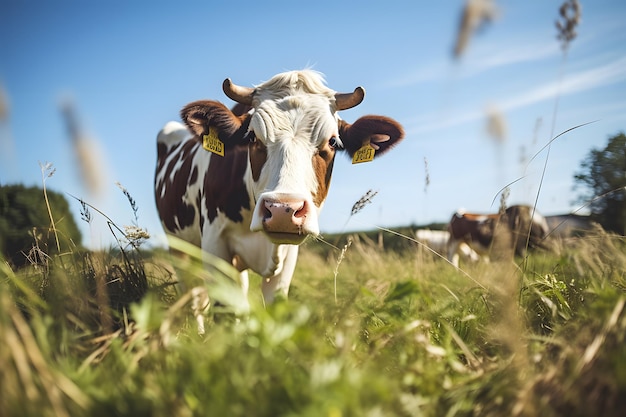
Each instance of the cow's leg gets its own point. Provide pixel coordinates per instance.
(199, 305)
(244, 282)
(453, 248)
(200, 301)
(278, 284)
(468, 252)
(199, 296)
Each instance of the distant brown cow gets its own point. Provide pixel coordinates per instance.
(518, 228)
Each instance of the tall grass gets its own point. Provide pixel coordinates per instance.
(381, 333)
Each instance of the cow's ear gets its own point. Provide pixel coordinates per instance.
(380, 131)
(200, 116)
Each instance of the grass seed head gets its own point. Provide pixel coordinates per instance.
(363, 201)
(476, 14)
(136, 235)
(569, 18)
(503, 198)
(496, 124)
(4, 105)
(131, 201)
(86, 149)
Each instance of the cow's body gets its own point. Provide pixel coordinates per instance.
(256, 203)
(518, 228)
(437, 240)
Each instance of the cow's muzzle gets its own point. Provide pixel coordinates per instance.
(285, 219)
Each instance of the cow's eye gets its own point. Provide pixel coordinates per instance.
(334, 143)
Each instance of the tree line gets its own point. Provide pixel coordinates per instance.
(26, 232)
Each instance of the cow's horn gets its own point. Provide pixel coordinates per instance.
(238, 93)
(345, 101)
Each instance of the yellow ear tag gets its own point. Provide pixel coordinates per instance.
(365, 154)
(212, 143)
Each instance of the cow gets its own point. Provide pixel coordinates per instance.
(519, 227)
(248, 185)
(437, 241)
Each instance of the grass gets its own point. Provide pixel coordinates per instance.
(384, 332)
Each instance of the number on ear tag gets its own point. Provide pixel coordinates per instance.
(212, 143)
(365, 154)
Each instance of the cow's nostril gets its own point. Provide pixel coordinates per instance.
(300, 212)
(267, 212)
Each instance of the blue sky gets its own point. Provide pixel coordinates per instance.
(128, 68)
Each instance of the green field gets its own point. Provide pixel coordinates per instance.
(382, 328)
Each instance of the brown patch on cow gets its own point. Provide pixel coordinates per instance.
(491, 232)
(258, 156)
(161, 155)
(224, 186)
(194, 176)
(323, 161)
(480, 217)
(198, 204)
(174, 212)
(468, 228)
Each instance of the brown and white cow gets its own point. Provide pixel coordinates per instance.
(517, 229)
(248, 186)
(437, 241)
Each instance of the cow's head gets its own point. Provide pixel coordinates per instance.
(293, 133)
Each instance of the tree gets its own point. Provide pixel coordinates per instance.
(603, 173)
(25, 222)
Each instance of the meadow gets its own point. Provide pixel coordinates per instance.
(375, 325)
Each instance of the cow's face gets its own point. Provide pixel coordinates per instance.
(293, 133)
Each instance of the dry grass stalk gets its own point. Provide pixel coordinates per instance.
(48, 171)
(90, 162)
(87, 150)
(131, 201)
(592, 349)
(504, 196)
(427, 175)
(496, 124)
(133, 233)
(4, 105)
(103, 301)
(339, 260)
(32, 364)
(363, 201)
(476, 14)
